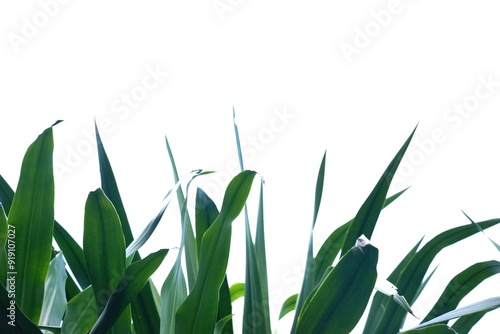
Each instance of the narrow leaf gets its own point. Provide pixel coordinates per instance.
(237, 291)
(73, 254)
(436, 329)
(367, 216)
(310, 275)
(188, 235)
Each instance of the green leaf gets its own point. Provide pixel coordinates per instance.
(73, 254)
(436, 329)
(81, 313)
(32, 218)
(333, 244)
(237, 291)
(461, 285)
(104, 251)
(310, 275)
(54, 299)
(173, 294)
(367, 216)
(132, 282)
(256, 318)
(205, 214)
(188, 235)
(288, 305)
(338, 303)
(144, 312)
(13, 319)
(385, 316)
(199, 311)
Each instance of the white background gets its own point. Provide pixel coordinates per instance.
(418, 64)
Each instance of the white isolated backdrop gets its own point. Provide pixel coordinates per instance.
(304, 77)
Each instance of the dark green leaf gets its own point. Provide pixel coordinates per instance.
(338, 303)
(367, 216)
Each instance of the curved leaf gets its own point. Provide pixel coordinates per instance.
(461, 285)
(288, 305)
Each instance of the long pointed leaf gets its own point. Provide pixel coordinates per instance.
(189, 242)
(32, 216)
(144, 312)
(367, 216)
(309, 281)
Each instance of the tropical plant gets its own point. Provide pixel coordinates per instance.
(51, 282)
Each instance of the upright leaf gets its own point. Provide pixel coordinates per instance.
(309, 281)
(256, 317)
(188, 235)
(205, 214)
(32, 218)
(199, 311)
(81, 313)
(367, 216)
(144, 312)
(104, 251)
